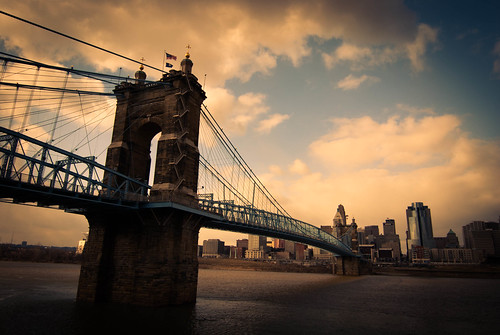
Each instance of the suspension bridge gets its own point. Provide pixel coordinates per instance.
(49, 104)
(56, 126)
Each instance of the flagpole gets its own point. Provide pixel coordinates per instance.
(163, 63)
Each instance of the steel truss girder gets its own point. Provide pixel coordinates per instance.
(249, 218)
(72, 173)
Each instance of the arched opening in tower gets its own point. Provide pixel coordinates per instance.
(154, 150)
(142, 158)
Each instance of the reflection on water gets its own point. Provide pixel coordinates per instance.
(40, 299)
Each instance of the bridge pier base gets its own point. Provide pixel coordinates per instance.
(351, 266)
(146, 257)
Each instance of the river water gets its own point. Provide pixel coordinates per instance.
(40, 299)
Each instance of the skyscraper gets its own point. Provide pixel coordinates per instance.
(389, 242)
(419, 222)
(389, 227)
(256, 242)
(347, 233)
(340, 219)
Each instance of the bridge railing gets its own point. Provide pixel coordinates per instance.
(272, 221)
(32, 162)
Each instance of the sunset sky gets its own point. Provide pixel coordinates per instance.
(369, 104)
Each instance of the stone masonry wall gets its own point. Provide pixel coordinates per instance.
(143, 258)
(351, 266)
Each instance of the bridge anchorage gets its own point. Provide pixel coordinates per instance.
(142, 244)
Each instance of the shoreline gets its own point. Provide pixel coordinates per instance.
(445, 271)
(265, 266)
(483, 271)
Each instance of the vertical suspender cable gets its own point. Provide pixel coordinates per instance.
(4, 68)
(58, 110)
(13, 108)
(28, 106)
(84, 125)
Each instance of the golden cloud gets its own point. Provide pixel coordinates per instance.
(352, 82)
(229, 39)
(376, 169)
(236, 113)
(266, 125)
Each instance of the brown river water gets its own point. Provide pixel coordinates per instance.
(38, 298)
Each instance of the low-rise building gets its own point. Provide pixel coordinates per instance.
(213, 248)
(378, 247)
(237, 252)
(456, 255)
(484, 236)
(420, 255)
(255, 254)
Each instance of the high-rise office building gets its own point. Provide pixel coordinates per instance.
(389, 227)
(419, 222)
(388, 244)
(347, 233)
(371, 233)
(340, 219)
(256, 242)
(257, 246)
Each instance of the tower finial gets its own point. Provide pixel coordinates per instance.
(140, 75)
(187, 64)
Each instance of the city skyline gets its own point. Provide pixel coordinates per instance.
(372, 105)
(419, 230)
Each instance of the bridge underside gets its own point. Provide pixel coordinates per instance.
(71, 201)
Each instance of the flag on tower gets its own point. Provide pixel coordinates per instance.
(169, 56)
(168, 65)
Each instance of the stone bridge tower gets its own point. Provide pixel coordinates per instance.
(172, 107)
(148, 256)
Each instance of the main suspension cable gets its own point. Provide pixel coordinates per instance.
(78, 40)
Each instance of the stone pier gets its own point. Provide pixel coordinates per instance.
(144, 257)
(351, 266)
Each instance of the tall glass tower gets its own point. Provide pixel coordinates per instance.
(419, 222)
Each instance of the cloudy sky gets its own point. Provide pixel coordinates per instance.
(369, 104)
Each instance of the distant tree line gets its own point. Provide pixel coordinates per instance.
(37, 253)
